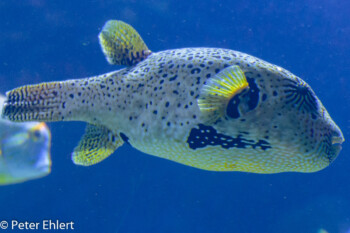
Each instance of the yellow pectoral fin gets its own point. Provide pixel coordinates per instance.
(121, 44)
(3, 179)
(6, 179)
(218, 91)
(97, 144)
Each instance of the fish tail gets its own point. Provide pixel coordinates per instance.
(53, 101)
(41, 102)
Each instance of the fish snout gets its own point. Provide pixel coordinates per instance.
(337, 139)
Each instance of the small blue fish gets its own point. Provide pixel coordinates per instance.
(24, 151)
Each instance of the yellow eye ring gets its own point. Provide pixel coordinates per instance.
(35, 132)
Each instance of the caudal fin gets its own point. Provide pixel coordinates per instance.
(70, 100)
(41, 102)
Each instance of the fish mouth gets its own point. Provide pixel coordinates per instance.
(337, 141)
(336, 147)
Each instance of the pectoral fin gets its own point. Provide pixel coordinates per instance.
(217, 92)
(97, 144)
(121, 44)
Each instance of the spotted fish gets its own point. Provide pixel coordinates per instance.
(209, 108)
(24, 151)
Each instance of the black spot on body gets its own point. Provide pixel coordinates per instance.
(232, 107)
(249, 97)
(207, 136)
(173, 78)
(253, 94)
(195, 71)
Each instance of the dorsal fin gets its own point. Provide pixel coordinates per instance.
(121, 44)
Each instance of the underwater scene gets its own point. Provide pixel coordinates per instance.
(175, 116)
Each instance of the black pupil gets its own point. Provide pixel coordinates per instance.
(37, 134)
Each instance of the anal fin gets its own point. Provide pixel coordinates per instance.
(97, 143)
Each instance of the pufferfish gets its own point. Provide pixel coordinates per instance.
(209, 108)
(24, 150)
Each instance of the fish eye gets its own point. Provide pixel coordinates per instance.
(299, 95)
(36, 135)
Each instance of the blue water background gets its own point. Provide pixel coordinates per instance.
(134, 192)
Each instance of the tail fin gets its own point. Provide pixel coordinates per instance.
(55, 101)
(70, 100)
(41, 102)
